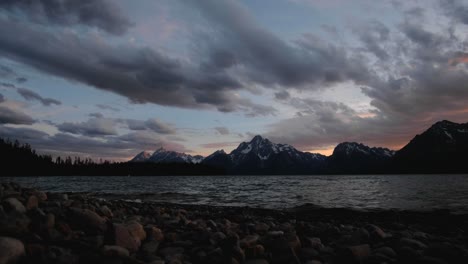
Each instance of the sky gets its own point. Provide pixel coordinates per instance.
(108, 79)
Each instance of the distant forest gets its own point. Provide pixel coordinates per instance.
(21, 160)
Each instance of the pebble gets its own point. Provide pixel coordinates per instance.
(14, 204)
(61, 227)
(112, 251)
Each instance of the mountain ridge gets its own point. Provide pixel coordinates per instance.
(441, 147)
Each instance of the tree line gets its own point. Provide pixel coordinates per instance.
(22, 160)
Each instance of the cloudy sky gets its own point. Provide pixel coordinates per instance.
(111, 78)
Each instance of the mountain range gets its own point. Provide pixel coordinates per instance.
(441, 148)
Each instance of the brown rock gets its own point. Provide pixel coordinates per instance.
(261, 228)
(11, 250)
(154, 233)
(249, 241)
(105, 211)
(14, 204)
(32, 202)
(124, 238)
(137, 231)
(42, 196)
(88, 219)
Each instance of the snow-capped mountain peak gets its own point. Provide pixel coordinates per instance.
(142, 156)
(354, 148)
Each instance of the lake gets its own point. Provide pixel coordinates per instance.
(415, 192)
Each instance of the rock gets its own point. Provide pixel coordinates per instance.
(313, 262)
(32, 202)
(105, 211)
(42, 196)
(136, 230)
(293, 241)
(314, 242)
(354, 254)
(275, 233)
(217, 237)
(308, 253)
(360, 236)
(124, 238)
(13, 204)
(11, 250)
(431, 260)
(150, 247)
(58, 196)
(249, 241)
(88, 219)
(385, 251)
(115, 251)
(14, 224)
(60, 255)
(412, 243)
(154, 233)
(448, 252)
(408, 254)
(170, 251)
(256, 261)
(261, 228)
(49, 220)
(376, 233)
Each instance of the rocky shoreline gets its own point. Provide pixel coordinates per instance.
(39, 227)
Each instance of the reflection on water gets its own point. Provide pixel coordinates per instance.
(353, 191)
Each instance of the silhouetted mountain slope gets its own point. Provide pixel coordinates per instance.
(441, 148)
(352, 157)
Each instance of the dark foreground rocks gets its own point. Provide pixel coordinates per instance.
(38, 227)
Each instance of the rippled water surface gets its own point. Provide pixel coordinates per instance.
(418, 192)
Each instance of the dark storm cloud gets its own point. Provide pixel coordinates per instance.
(323, 124)
(101, 14)
(140, 74)
(2, 98)
(282, 95)
(92, 127)
(151, 124)
(373, 35)
(270, 60)
(22, 133)
(456, 9)
(31, 96)
(424, 79)
(15, 117)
